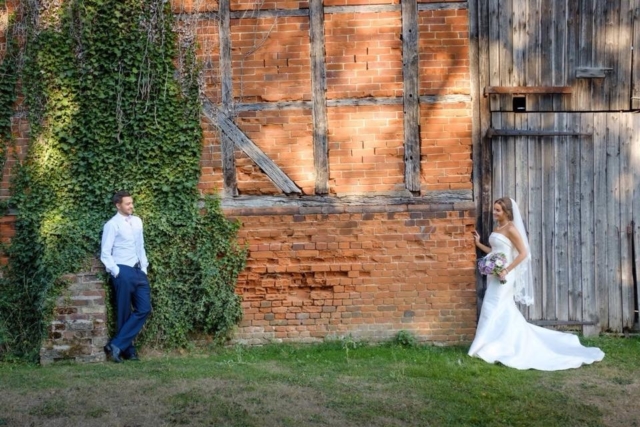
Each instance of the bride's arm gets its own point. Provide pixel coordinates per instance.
(476, 237)
(514, 236)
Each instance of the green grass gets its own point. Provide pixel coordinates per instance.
(339, 383)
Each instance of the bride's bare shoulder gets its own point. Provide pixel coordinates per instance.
(512, 232)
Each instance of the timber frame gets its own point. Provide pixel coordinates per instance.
(221, 116)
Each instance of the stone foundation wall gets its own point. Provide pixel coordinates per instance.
(78, 330)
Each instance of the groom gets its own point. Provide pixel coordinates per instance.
(124, 257)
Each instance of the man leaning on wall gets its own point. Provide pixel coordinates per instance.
(124, 256)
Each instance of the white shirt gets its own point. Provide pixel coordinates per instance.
(123, 243)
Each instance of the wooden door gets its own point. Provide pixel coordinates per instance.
(578, 193)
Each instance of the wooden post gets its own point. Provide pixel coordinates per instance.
(319, 102)
(478, 28)
(226, 144)
(411, 99)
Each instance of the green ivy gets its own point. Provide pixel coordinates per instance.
(107, 112)
(8, 81)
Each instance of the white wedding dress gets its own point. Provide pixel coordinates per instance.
(504, 336)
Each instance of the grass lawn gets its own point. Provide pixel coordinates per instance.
(333, 384)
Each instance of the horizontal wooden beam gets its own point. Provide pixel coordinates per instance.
(562, 323)
(524, 90)
(348, 102)
(231, 130)
(400, 201)
(518, 132)
(278, 13)
(461, 5)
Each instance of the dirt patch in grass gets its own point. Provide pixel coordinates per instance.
(614, 394)
(196, 403)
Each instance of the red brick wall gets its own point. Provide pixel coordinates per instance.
(270, 59)
(366, 149)
(363, 55)
(444, 52)
(325, 272)
(445, 131)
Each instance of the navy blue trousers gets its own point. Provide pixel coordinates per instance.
(133, 305)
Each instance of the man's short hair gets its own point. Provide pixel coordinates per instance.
(117, 198)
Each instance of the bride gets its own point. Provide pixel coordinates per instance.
(503, 334)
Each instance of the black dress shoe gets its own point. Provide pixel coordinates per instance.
(114, 352)
(133, 357)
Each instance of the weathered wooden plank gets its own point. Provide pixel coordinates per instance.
(521, 178)
(319, 100)
(623, 58)
(546, 51)
(509, 157)
(460, 5)
(533, 52)
(231, 131)
(600, 217)
(505, 42)
(535, 214)
(592, 72)
(442, 99)
(486, 166)
(626, 220)
(364, 8)
(411, 95)
(284, 13)
(474, 82)
(519, 34)
(253, 13)
(559, 55)
(561, 241)
(268, 13)
(573, 34)
(520, 181)
(582, 94)
(562, 323)
(476, 125)
(613, 222)
(491, 132)
(590, 310)
(226, 88)
(635, 84)
(498, 164)
(435, 200)
(522, 90)
(493, 22)
(574, 147)
(348, 102)
(548, 221)
(635, 155)
(271, 106)
(599, 97)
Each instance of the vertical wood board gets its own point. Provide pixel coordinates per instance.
(319, 101)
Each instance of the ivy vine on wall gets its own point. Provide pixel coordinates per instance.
(107, 112)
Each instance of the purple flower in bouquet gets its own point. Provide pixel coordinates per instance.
(494, 263)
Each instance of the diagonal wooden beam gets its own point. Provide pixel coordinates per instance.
(242, 141)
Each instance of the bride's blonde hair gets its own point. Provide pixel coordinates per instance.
(507, 207)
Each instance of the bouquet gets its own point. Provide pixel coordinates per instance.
(494, 263)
